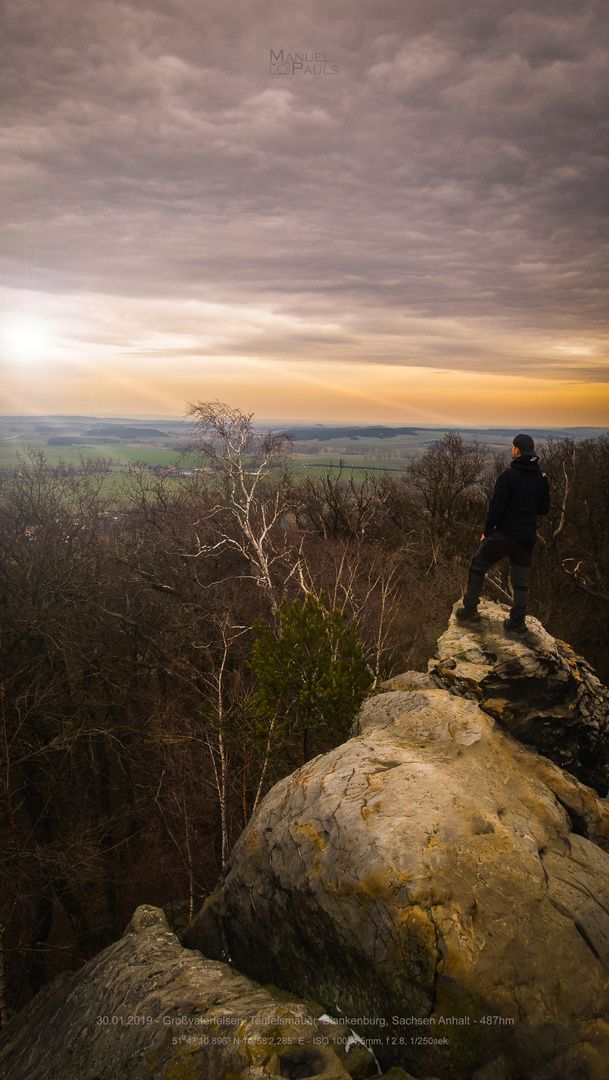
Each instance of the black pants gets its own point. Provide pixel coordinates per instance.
(496, 547)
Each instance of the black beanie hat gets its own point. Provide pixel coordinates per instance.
(525, 444)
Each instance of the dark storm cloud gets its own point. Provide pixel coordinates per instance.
(455, 168)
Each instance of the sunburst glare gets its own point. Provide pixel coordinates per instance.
(25, 337)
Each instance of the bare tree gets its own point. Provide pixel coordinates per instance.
(226, 439)
(335, 507)
(216, 681)
(445, 472)
(365, 585)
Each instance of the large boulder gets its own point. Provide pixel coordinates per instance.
(534, 685)
(424, 881)
(147, 1009)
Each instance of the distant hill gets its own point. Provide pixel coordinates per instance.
(76, 440)
(378, 432)
(125, 431)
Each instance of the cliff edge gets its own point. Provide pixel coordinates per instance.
(435, 878)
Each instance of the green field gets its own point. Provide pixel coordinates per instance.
(312, 453)
(121, 453)
(120, 456)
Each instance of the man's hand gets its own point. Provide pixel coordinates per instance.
(483, 537)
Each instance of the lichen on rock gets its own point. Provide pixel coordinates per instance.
(534, 685)
(148, 1009)
(425, 880)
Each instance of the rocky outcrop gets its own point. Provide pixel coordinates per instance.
(147, 1008)
(535, 686)
(424, 879)
(439, 886)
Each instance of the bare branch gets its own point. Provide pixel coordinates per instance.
(561, 523)
(581, 582)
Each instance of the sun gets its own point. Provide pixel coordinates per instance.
(25, 336)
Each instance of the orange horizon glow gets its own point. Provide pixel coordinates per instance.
(324, 392)
(100, 355)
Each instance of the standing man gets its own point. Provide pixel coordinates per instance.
(521, 495)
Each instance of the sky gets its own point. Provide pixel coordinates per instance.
(358, 210)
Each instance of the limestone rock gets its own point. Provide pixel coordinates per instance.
(147, 1008)
(534, 685)
(423, 882)
(410, 680)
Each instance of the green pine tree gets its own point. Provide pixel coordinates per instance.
(313, 677)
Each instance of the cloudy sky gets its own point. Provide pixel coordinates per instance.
(411, 226)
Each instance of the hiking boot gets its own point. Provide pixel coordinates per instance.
(468, 614)
(515, 627)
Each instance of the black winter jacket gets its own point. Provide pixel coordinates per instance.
(521, 495)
